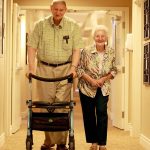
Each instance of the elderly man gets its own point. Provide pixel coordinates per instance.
(55, 42)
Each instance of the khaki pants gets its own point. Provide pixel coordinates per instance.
(54, 92)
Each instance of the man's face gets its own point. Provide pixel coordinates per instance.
(58, 10)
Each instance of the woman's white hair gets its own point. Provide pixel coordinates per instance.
(100, 28)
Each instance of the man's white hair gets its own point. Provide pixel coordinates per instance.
(58, 1)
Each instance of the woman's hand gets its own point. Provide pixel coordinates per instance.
(101, 81)
(94, 82)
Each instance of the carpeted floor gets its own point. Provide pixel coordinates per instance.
(117, 139)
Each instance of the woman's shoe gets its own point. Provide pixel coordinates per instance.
(93, 147)
(102, 148)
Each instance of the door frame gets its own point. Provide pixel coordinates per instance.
(8, 68)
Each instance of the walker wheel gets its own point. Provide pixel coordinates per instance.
(71, 143)
(29, 143)
(71, 146)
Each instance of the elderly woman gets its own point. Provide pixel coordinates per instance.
(96, 68)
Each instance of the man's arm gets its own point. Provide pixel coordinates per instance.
(77, 45)
(76, 58)
(31, 59)
(75, 61)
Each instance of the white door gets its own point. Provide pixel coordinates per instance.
(117, 96)
(16, 70)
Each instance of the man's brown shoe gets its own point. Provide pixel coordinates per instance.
(61, 147)
(46, 147)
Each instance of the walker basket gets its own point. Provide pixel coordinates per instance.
(46, 121)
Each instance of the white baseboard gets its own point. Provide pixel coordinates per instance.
(130, 129)
(145, 142)
(2, 139)
(127, 127)
(16, 125)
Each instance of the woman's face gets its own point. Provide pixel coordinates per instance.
(100, 38)
(58, 10)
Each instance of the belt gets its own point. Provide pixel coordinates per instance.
(54, 65)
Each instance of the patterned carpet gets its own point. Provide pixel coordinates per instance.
(117, 139)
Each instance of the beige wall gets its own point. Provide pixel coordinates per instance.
(83, 3)
(145, 126)
(144, 90)
(140, 104)
(98, 3)
(3, 86)
(145, 95)
(1, 93)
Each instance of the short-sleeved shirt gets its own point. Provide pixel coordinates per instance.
(90, 64)
(55, 44)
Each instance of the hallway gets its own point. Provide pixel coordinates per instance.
(117, 139)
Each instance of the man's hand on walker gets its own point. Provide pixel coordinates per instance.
(27, 73)
(73, 71)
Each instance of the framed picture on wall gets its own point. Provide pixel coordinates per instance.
(146, 71)
(146, 19)
(1, 26)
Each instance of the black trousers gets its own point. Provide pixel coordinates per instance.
(95, 117)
